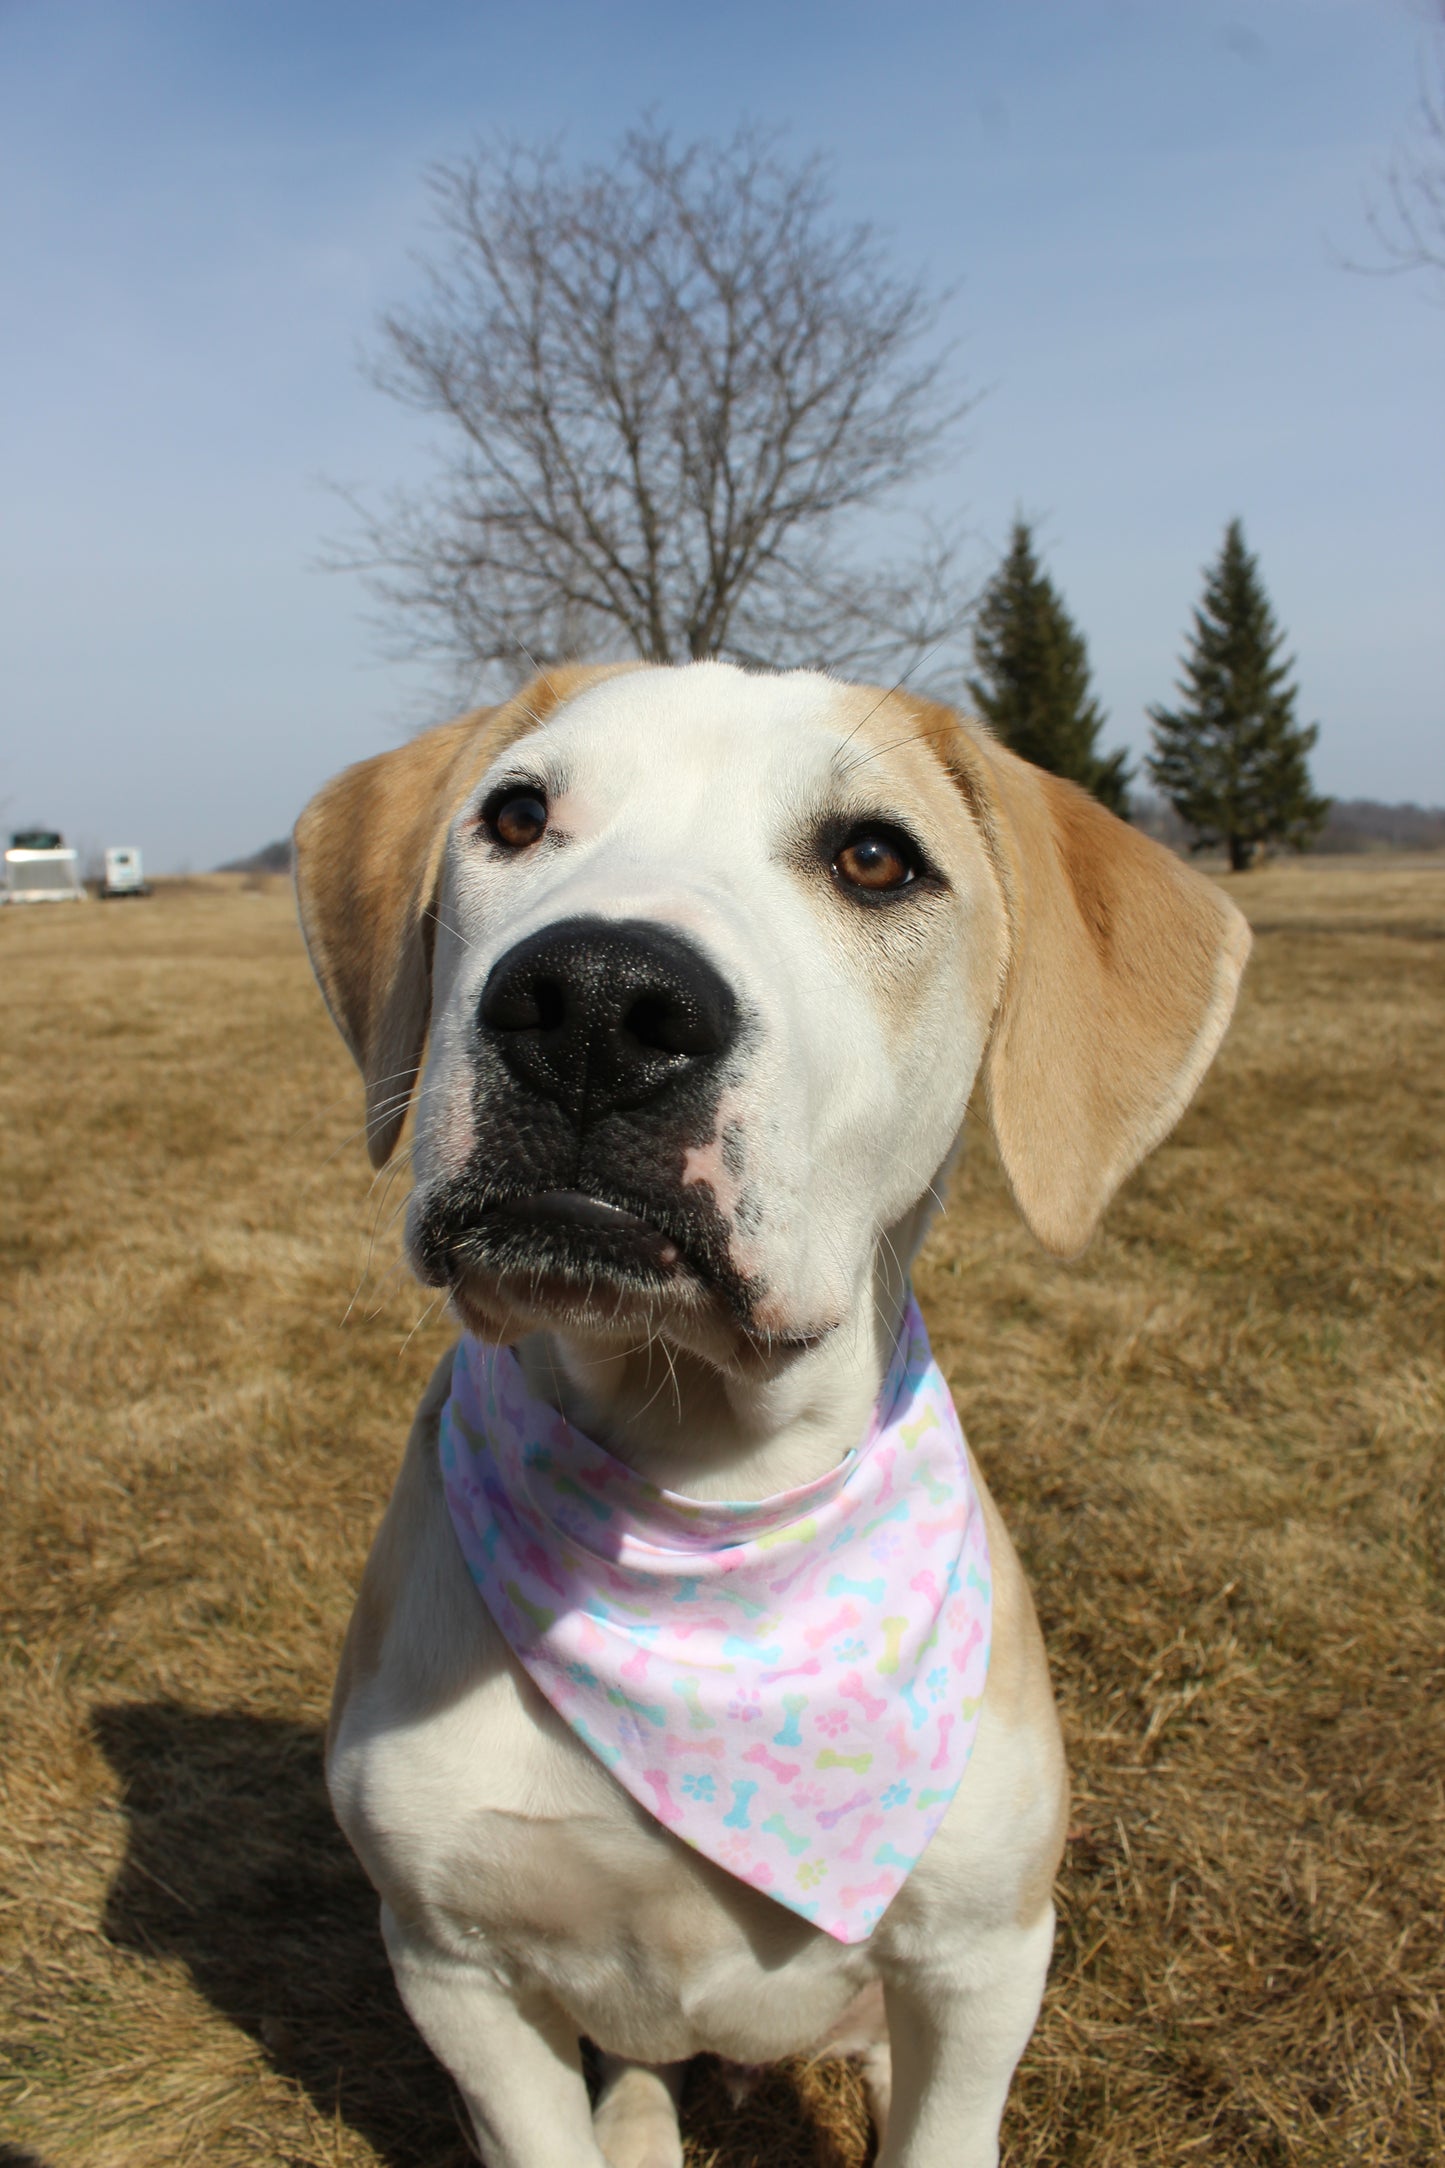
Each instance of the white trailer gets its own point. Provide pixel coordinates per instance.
(39, 869)
(124, 874)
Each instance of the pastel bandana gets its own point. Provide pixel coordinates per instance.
(792, 1685)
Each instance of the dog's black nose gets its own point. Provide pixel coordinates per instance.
(602, 1015)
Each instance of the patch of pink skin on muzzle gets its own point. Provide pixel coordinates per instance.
(772, 1315)
(703, 1169)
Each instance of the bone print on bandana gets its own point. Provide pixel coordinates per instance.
(791, 1685)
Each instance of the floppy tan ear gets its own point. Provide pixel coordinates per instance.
(367, 862)
(1123, 968)
(367, 856)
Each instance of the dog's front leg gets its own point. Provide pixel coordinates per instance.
(518, 2069)
(956, 2039)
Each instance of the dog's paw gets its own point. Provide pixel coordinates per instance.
(635, 2119)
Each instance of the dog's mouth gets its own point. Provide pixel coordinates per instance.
(571, 1257)
(569, 1250)
(574, 1218)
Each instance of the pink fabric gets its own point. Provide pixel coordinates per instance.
(792, 1685)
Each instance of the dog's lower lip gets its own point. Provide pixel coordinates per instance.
(574, 1208)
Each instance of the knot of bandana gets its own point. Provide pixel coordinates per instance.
(792, 1685)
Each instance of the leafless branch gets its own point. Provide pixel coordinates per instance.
(673, 389)
(1409, 224)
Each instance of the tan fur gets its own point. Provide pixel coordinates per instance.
(1123, 969)
(1018, 1693)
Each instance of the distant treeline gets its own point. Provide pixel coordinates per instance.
(271, 858)
(1353, 824)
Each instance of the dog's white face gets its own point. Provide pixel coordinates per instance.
(715, 964)
(708, 962)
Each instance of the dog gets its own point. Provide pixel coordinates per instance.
(703, 966)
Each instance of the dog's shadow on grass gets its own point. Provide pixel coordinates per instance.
(236, 1867)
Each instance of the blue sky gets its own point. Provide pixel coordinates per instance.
(1147, 208)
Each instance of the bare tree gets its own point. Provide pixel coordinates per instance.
(1410, 223)
(673, 385)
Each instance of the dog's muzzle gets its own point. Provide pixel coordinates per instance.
(603, 1046)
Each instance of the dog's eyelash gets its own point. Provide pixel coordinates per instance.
(506, 786)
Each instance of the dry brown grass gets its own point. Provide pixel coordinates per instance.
(1217, 1440)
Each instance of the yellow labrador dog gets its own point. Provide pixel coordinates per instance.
(705, 966)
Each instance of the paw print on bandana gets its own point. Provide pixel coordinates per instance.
(700, 1786)
(581, 1675)
(937, 1682)
(847, 1650)
(883, 1547)
(831, 1722)
(733, 1853)
(896, 1795)
(745, 1705)
(811, 1873)
(809, 1795)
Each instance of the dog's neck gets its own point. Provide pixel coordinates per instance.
(682, 1423)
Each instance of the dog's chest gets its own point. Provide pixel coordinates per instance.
(489, 1824)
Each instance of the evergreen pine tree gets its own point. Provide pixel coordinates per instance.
(1032, 685)
(1231, 759)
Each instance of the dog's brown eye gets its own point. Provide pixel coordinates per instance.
(874, 859)
(516, 817)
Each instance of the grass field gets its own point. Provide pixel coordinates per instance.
(1218, 1441)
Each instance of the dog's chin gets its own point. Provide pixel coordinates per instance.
(505, 1308)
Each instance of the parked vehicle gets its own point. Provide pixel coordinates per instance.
(39, 869)
(124, 875)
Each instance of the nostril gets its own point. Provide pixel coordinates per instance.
(521, 1003)
(667, 1024)
(652, 1020)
